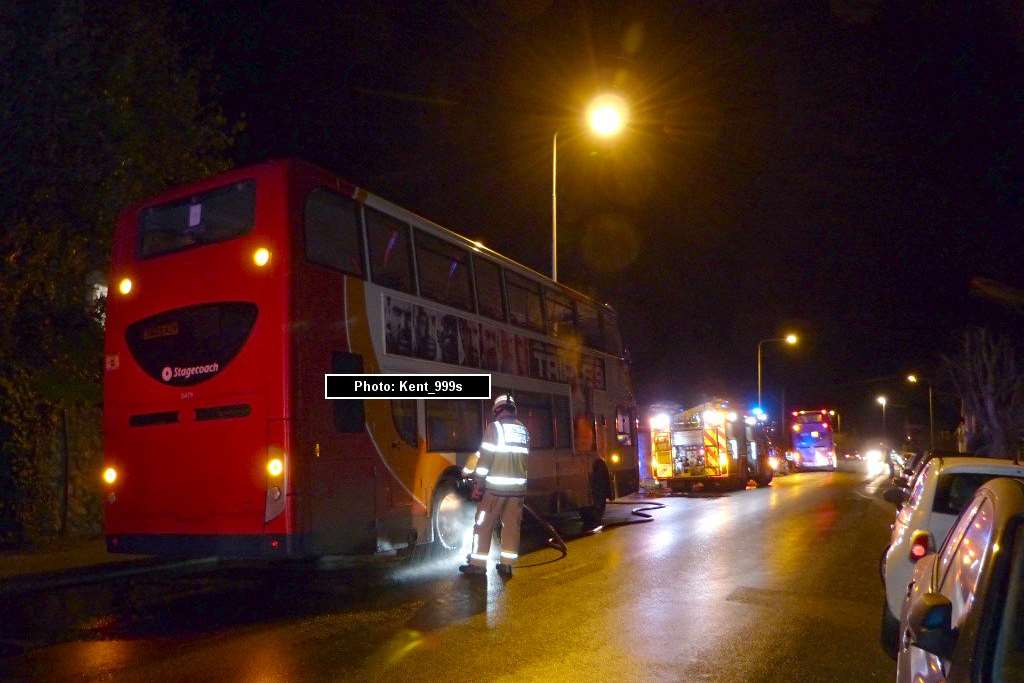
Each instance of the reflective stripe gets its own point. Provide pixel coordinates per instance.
(506, 481)
(481, 516)
(478, 556)
(476, 542)
(466, 470)
(508, 555)
(482, 471)
(504, 449)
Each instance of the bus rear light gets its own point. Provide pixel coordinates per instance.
(261, 256)
(920, 545)
(275, 466)
(796, 428)
(615, 458)
(125, 286)
(110, 475)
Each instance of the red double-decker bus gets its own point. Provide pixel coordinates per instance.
(232, 297)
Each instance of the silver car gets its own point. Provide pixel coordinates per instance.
(963, 615)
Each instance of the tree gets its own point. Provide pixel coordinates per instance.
(991, 388)
(99, 109)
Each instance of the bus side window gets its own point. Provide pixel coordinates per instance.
(610, 327)
(559, 314)
(623, 426)
(534, 411)
(588, 322)
(453, 425)
(524, 303)
(444, 272)
(488, 288)
(348, 414)
(390, 260)
(332, 232)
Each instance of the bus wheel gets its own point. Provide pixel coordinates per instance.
(451, 518)
(593, 514)
(764, 479)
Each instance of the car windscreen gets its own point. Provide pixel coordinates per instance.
(212, 216)
(954, 490)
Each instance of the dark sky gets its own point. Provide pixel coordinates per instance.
(843, 168)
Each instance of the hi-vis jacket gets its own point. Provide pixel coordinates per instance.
(502, 457)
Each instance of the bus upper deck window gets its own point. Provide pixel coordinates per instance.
(443, 271)
(332, 232)
(524, 302)
(390, 261)
(488, 288)
(558, 311)
(212, 216)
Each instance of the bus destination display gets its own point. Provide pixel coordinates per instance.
(406, 385)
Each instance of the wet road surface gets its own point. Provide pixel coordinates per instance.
(776, 584)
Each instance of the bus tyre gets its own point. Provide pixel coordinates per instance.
(451, 518)
(593, 514)
(765, 479)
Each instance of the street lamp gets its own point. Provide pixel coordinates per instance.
(913, 379)
(790, 339)
(882, 401)
(606, 117)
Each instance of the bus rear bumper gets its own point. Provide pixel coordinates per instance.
(242, 546)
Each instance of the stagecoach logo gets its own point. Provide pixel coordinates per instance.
(169, 373)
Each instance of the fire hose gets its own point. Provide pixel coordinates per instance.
(556, 542)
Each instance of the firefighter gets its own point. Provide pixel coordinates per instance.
(501, 471)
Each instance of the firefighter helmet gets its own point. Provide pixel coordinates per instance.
(504, 402)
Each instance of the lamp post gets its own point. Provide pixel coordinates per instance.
(914, 379)
(790, 339)
(882, 401)
(606, 117)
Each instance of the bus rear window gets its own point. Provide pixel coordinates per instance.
(212, 216)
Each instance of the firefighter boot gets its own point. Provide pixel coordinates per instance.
(505, 571)
(472, 570)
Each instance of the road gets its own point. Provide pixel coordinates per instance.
(776, 584)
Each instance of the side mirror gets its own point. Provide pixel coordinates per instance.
(929, 623)
(894, 495)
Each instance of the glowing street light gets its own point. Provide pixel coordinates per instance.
(914, 379)
(606, 116)
(790, 339)
(882, 401)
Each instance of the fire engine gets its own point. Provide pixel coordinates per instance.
(713, 445)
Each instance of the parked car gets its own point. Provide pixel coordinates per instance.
(938, 495)
(962, 618)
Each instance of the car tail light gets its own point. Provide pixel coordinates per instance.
(920, 545)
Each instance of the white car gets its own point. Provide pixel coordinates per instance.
(938, 495)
